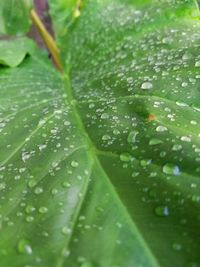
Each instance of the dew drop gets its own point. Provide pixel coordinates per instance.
(106, 137)
(147, 86)
(29, 218)
(23, 246)
(162, 211)
(177, 246)
(32, 183)
(43, 209)
(54, 191)
(104, 116)
(65, 253)
(155, 141)
(176, 147)
(161, 129)
(66, 230)
(74, 164)
(38, 190)
(197, 64)
(125, 157)
(2, 186)
(171, 169)
(132, 136)
(185, 139)
(29, 209)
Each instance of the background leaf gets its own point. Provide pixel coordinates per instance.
(15, 16)
(13, 51)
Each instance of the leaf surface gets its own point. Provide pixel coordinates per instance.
(100, 167)
(15, 16)
(13, 51)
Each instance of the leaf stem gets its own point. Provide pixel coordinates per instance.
(48, 39)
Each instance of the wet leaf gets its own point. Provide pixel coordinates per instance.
(100, 166)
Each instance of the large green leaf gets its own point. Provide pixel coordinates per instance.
(100, 167)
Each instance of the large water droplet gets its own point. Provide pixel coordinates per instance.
(162, 211)
(74, 164)
(155, 141)
(161, 129)
(43, 209)
(171, 169)
(132, 136)
(23, 246)
(147, 86)
(176, 147)
(125, 157)
(30, 209)
(38, 190)
(66, 230)
(105, 116)
(197, 64)
(185, 138)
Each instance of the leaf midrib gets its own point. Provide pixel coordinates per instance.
(92, 152)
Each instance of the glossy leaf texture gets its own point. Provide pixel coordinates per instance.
(100, 166)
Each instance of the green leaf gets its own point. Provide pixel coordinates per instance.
(100, 167)
(13, 52)
(62, 14)
(15, 16)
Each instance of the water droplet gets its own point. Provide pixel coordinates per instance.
(54, 191)
(32, 183)
(104, 116)
(23, 246)
(132, 136)
(147, 86)
(197, 64)
(74, 164)
(176, 147)
(67, 123)
(25, 156)
(155, 141)
(125, 157)
(193, 122)
(186, 139)
(41, 147)
(106, 137)
(65, 252)
(66, 230)
(177, 246)
(29, 209)
(161, 129)
(163, 154)
(38, 190)
(171, 169)
(145, 162)
(2, 186)
(116, 132)
(43, 209)
(162, 211)
(29, 218)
